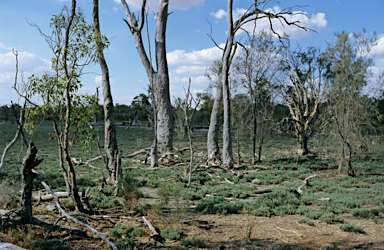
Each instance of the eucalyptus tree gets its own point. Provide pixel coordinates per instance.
(72, 43)
(256, 68)
(304, 92)
(110, 143)
(159, 79)
(348, 98)
(252, 14)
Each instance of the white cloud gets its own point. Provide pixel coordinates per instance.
(153, 4)
(3, 46)
(28, 64)
(203, 57)
(315, 21)
(98, 80)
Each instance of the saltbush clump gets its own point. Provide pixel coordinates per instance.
(217, 205)
(352, 228)
(53, 244)
(195, 242)
(365, 213)
(263, 212)
(331, 218)
(306, 221)
(172, 233)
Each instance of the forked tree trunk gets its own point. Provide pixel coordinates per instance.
(110, 142)
(341, 160)
(254, 133)
(214, 127)
(159, 80)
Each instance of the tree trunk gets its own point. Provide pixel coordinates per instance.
(213, 148)
(302, 144)
(350, 171)
(227, 138)
(341, 160)
(110, 142)
(261, 145)
(159, 80)
(254, 133)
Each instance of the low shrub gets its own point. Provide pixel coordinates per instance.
(331, 218)
(365, 213)
(263, 212)
(352, 228)
(195, 242)
(53, 244)
(333, 247)
(282, 247)
(171, 233)
(9, 197)
(306, 221)
(217, 205)
(102, 201)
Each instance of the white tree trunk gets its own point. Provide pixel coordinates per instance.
(214, 125)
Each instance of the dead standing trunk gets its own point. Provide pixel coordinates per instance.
(110, 142)
(214, 127)
(159, 80)
(302, 144)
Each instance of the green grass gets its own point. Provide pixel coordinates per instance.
(352, 228)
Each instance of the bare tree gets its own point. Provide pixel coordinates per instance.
(110, 142)
(159, 79)
(255, 70)
(253, 13)
(304, 95)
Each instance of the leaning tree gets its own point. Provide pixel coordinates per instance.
(159, 80)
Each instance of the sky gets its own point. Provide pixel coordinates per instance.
(189, 48)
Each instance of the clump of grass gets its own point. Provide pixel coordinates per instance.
(380, 209)
(303, 210)
(195, 242)
(306, 221)
(352, 228)
(217, 205)
(331, 218)
(129, 191)
(102, 201)
(263, 212)
(171, 233)
(282, 247)
(365, 213)
(314, 214)
(333, 247)
(124, 231)
(53, 244)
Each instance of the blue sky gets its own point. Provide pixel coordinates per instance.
(189, 48)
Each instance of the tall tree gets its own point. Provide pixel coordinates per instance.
(159, 79)
(304, 94)
(348, 104)
(110, 142)
(255, 69)
(252, 14)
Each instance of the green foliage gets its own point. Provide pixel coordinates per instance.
(365, 213)
(352, 228)
(195, 242)
(331, 218)
(217, 205)
(306, 221)
(9, 197)
(52, 244)
(129, 191)
(123, 231)
(263, 211)
(171, 233)
(102, 201)
(136, 231)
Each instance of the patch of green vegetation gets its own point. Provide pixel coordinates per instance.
(306, 221)
(365, 213)
(217, 205)
(263, 212)
(53, 244)
(331, 218)
(172, 233)
(282, 247)
(123, 231)
(103, 201)
(352, 228)
(333, 247)
(194, 242)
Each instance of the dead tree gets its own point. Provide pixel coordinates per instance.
(188, 102)
(159, 79)
(110, 142)
(253, 13)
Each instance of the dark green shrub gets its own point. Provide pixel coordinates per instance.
(53, 244)
(380, 209)
(287, 209)
(136, 231)
(217, 205)
(331, 218)
(119, 231)
(306, 221)
(314, 214)
(303, 210)
(101, 200)
(365, 213)
(129, 191)
(171, 233)
(352, 228)
(195, 242)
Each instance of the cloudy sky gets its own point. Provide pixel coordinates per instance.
(189, 48)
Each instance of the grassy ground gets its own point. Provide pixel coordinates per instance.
(334, 201)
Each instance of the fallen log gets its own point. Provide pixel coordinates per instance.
(306, 182)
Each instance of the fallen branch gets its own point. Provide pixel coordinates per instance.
(50, 196)
(81, 162)
(153, 230)
(306, 182)
(72, 218)
(142, 151)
